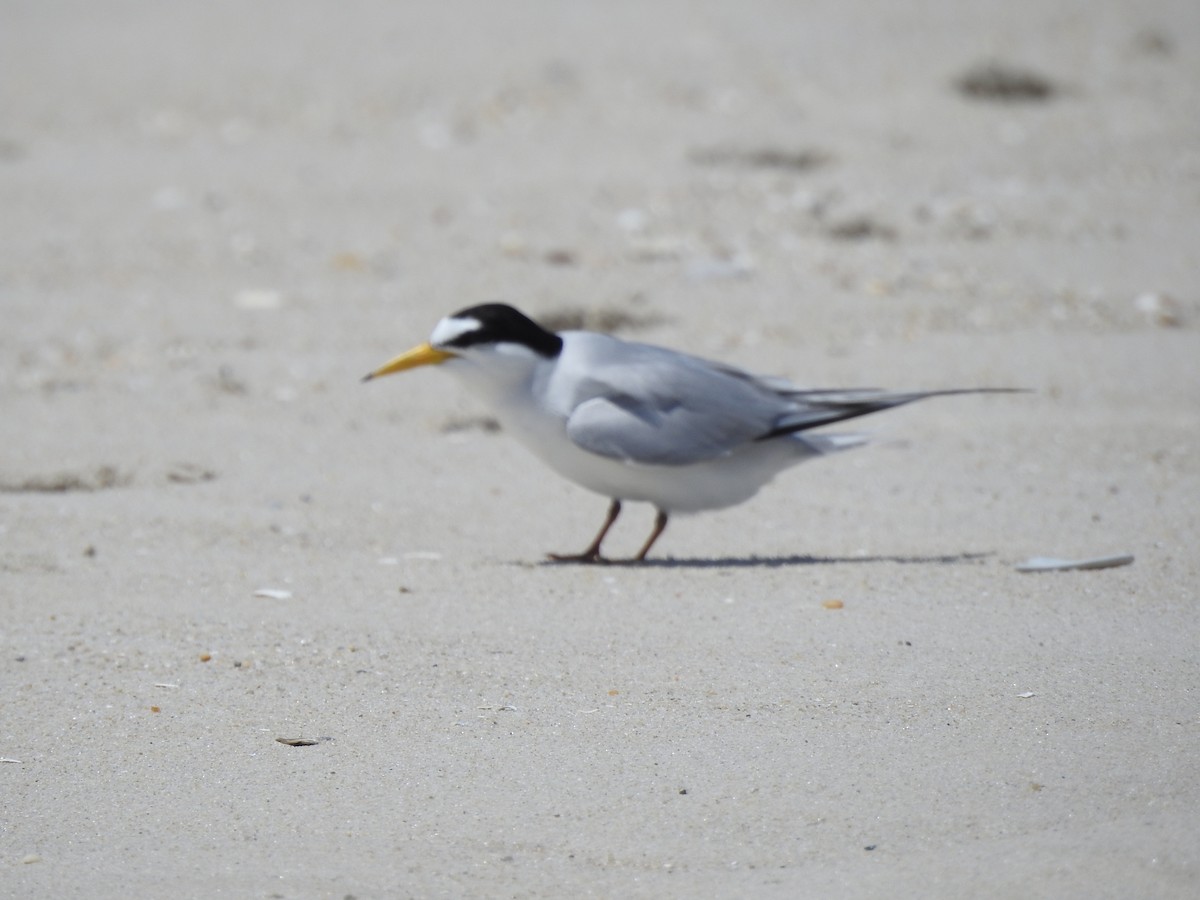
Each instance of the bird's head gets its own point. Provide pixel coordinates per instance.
(494, 335)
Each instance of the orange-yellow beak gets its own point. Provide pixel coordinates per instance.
(424, 355)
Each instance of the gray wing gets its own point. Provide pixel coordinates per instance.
(653, 406)
(671, 411)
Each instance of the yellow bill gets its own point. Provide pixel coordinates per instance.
(424, 355)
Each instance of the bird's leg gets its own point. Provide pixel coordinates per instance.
(660, 525)
(592, 553)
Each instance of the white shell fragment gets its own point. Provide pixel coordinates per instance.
(273, 593)
(258, 298)
(1051, 564)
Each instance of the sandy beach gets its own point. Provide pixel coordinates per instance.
(271, 632)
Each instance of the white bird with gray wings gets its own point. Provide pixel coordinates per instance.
(637, 422)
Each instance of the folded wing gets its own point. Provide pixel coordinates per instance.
(670, 411)
(657, 407)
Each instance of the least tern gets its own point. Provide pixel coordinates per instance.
(638, 422)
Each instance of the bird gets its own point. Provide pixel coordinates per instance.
(638, 422)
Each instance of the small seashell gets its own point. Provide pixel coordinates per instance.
(273, 593)
(258, 298)
(1051, 564)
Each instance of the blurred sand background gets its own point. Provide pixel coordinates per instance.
(215, 217)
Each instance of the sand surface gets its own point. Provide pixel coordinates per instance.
(215, 217)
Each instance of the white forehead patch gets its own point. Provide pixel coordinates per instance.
(451, 328)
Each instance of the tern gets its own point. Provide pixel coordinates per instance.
(638, 422)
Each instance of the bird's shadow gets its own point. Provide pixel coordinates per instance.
(773, 562)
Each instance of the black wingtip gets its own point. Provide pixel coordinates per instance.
(846, 406)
